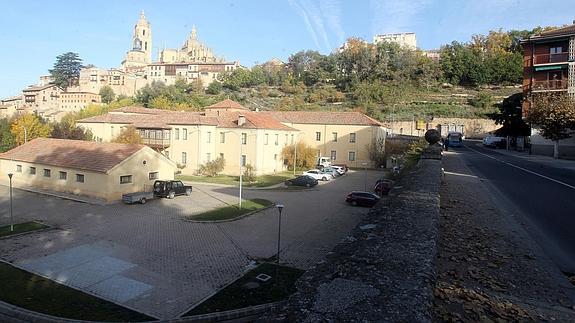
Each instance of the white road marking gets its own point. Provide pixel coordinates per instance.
(460, 174)
(523, 169)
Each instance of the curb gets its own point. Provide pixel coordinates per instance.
(231, 220)
(49, 227)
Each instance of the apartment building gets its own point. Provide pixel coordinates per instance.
(229, 130)
(549, 66)
(77, 100)
(407, 40)
(169, 73)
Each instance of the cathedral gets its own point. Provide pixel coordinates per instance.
(193, 51)
(141, 53)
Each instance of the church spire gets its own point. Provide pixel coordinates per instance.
(194, 33)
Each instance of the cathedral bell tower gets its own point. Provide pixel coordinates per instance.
(140, 53)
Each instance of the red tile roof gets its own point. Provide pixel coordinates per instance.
(227, 104)
(322, 117)
(83, 155)
(39, 88)
(229, 119)
(567, 31)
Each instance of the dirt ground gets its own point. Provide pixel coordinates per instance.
(488, 268)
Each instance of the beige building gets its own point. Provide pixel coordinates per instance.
(169, 73)
(11, 106)
(407, 40)
(342, 136)
(40, 98)
(193, 138)
(85, 168)
(77, 100)
(192, 51)
(122, 82)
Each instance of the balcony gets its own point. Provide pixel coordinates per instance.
(156, 143)
(155, 138)
(551, 58)
(553, 85)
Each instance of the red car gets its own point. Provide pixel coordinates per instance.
(382, 187)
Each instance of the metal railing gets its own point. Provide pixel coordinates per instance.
(551, 58)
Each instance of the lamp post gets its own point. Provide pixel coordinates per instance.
(11, 214)
(280, 208)
(365, 179)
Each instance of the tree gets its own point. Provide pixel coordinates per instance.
(249, 173)
(376, 151)
(67, 129)
(7, 140)
(306, 155)
(510, 117)
(107, 94)
(554, 115)
(128, 135)
(29, 126)
(214, 88)
(212, 168)
(66, 71)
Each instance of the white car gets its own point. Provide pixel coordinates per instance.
(318, 174)
(339, 169)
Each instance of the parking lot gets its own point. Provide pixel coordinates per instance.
(147, 257)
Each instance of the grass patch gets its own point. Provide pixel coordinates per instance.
(42, 295)
(236, 295)
(261, 181)
(21, 228)
(231, 211)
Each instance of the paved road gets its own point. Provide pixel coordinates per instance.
(148, 258)
(541, 195)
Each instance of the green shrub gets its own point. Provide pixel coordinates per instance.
(212, 168)
(249, 173)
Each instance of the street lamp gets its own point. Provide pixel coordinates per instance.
(280, 208)
(365, 180)
(11, 214)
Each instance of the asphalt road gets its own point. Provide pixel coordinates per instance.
(540, 196)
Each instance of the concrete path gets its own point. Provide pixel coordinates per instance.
(146, 257)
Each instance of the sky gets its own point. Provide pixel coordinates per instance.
(33, 33)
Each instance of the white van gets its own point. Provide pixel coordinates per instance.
(323, 161)
(493, 141)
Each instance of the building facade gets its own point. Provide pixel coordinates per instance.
(549, 66)
(140, 53)
(229, 130)
(407, 40)
(85, 168)
(71, 101)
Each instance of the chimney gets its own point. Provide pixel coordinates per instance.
(241, 120)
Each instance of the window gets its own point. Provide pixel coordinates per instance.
(352, 137)
(334, 135)
(18, 168)
(292, 139)
(184, 134)
(177, 134)
(285, 143)
(244, 138)
(32, 170)
(318, 153)
(222, 155)
(184, 158)
(112, 130)
(275, 156)
(555, 50)
(222, 137)
(333, 155)
(125, 179)
(63, 175)
(80, 178)
(47, 172)
(351, 156)
(277, 139)
(318, 136)
(167, 154)
(266, 138)
(208, 157)
(243, 160)
(209, 139)
(153, 175)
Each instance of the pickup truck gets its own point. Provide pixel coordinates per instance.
(168, 189)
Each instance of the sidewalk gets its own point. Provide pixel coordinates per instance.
(543, 160)
(488, 267)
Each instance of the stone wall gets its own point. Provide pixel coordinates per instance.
(385, 269)
(472, 128)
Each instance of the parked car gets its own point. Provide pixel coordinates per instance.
(330, 170)
(302, 180)
(362, 198)
(382, 187)
(494, 141)
(338, 169)
(170, 189)
(318, 174)
(323, 162)
(343, 166)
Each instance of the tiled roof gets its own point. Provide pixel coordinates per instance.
(38, 88)
(139, 109)
(84, 155)
(567, 31)
(254, 120)
(157, 120)
(322, 117)
(227, 104)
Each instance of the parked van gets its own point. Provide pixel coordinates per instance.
(494, 141)
(323, 162)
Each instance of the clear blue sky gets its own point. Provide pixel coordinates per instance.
(33, 33)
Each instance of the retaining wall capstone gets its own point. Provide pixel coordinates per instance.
(385, 269)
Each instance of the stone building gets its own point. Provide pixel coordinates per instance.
(140, 53)
(407, 40)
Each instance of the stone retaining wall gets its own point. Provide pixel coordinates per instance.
(385, 269)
